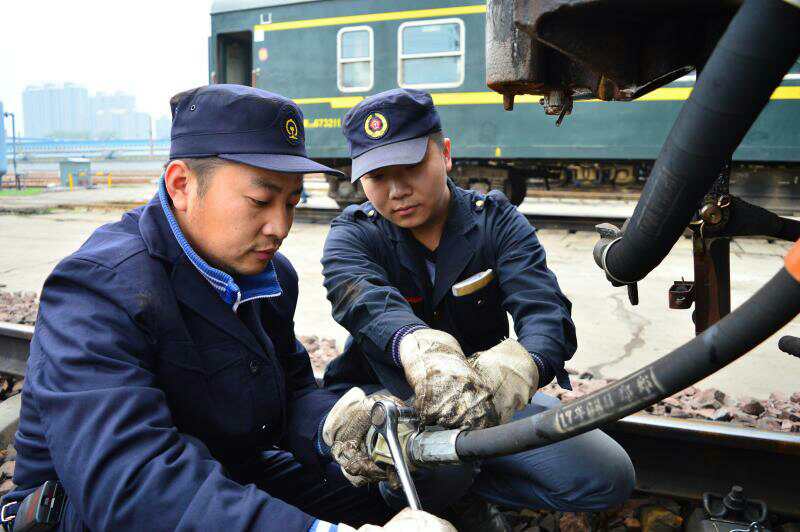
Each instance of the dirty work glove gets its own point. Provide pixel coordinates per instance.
(449, 392)
(407, 520)
(511, 374)
(345, 432)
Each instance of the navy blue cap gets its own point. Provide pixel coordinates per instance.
(241, 124)
(389, 128)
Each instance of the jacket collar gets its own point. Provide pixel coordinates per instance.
(164, 238)
(456, 248)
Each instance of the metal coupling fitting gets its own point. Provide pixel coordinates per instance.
(434, 447)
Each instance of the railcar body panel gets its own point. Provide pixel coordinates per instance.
(294, 52)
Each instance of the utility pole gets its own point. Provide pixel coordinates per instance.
(14, 149)
(150, 119)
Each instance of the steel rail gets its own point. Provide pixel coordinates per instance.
(686, 458)
(15, 343)
(541, 221)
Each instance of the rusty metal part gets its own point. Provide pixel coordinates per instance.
(597, 48)
(712, 278)
(711, 213)
(681, 294)
(712, 260)
(557, 103)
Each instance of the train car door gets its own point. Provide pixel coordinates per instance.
(235, 58)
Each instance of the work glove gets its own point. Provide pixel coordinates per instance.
(345, 432)
(511, 375)
(449, 392)
(407, 520)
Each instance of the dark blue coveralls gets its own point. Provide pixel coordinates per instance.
(151, 397)
(378, 284)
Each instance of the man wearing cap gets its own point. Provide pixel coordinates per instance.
(422, 276)
(164, 362)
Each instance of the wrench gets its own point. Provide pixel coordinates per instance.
(384, 416)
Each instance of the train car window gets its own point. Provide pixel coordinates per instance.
(354, 59)
(431, 53)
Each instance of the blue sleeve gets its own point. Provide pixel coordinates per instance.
(530, 292)
(363, 299)
(108, 429)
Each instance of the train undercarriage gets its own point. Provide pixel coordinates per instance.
(772, 186)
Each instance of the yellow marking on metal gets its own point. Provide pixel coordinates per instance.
(786, 93)
(336, 102)
(372, 17)
(663, 94)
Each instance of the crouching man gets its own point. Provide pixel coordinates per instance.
(165, 388)
(422, 276)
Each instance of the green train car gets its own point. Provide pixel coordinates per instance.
(329, 54)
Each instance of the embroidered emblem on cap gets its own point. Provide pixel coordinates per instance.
(376, 125)
(292, 131)
(290, 122)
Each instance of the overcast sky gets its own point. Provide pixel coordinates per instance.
(148, 48)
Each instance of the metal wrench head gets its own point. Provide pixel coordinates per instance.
(385, 416)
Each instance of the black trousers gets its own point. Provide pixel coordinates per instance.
(328, 496)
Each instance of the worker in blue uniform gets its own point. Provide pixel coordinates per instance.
(422, 276)
(165, 388)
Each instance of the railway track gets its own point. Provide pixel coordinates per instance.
(673, 457)
(541, 221)
(15, 343)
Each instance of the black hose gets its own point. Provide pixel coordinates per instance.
(790, 345)
(769, 309)
(751, 220)
(758, 48)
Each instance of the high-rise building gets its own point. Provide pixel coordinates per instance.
(163, 127)
(102, 105)
(56, 111)
(122, 124)
(67, 111)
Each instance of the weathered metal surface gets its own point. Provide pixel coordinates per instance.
(681, 295)
(686, 458)
(712, 261)
(14, 348)
(610, 50)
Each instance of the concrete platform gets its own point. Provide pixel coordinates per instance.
(614, 338)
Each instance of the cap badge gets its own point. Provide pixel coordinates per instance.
(292, 131)
(376, 125)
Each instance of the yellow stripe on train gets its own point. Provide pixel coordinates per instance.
(372, 17)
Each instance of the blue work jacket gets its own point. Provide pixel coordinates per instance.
(150, 398)
(378, 283)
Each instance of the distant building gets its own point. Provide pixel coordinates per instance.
(163, 127)
(122, 124)
(101, 104)
(56, 111)
(67, 111)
